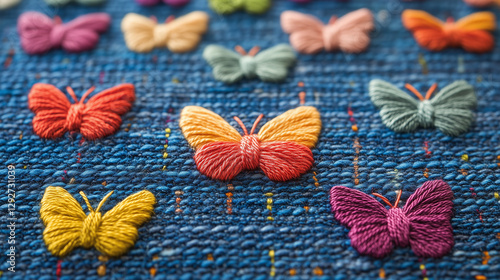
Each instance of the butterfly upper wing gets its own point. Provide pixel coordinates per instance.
(118, 230)
(101, 116)
(272, 64)
(398, 110)
(34, 32)
(256, 6)
(51, 107)
(306, 31)
(230, 6)
(300, 125)
(225, 63)
(429, 210)
(452, 108)
(201, 126)
(353, 30)
(184, 33)
(63, 218)
(474, 32)
(427, 30)
(138, 32)
(366, 218)
(83, 32)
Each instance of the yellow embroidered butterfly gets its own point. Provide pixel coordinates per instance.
(113, 234)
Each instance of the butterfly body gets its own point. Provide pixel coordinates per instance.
(222, 153)
(422, 224)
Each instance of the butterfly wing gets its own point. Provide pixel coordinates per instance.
(366, 218)
(429, 210)
(184, 33)
(353, 30)
(118, 230)
(34, 32)
(474, 32)
(427, 30)
(101, 116)
(257, 6)
(306, 31)
(272, 64)
(230, 6)
(138, 32)
(284, 160)
(83, 32)
(63, 218)
(219, 160)
(51, 107)
(176, 3)
(398, 110)
(225, 63)
(452, 108)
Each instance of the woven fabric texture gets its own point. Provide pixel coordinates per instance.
(251, 227)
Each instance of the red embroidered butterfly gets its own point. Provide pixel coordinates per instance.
(282, 148)
(99, 117)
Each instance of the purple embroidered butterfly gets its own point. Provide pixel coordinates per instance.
(423, 223)
(169, 2)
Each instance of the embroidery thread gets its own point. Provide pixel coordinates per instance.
(449, 110)
(97, 118)
(309, 35)
(482, 3)
(423, 223)
(282, 148)
(113, 234)
(82, 2)
(6, 4)
(174, 3)
(231, 6)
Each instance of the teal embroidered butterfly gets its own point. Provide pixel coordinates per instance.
(449, 110)
(270, 65)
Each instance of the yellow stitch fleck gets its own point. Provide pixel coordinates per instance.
(25, 167)
(164, 167)
(165, 146)
(465, 157)
(167, 130)
(422, 267)
(167, 135)
(103, 258)
(270, 218)
(101, 270)
(268, 194)
(175, 80)
(497, 196)
(165, 155)
(269, 207)
(273, 272)
(426, 278)
(269, 201)
(271, 253)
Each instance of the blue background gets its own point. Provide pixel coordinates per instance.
(309, 243)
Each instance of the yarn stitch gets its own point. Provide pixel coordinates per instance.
(6, 4)
(270, 65)
(282, 148)
(174, 3)
(99, 117)
(113, 234)
(65, 2)
(472, 33)
(482, 3)
(231, 6)
(183, 34)
(39, 33)
(449, 110)
(423, 223)
(309, 35)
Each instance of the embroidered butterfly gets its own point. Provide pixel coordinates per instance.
(82, 2)
(39, 33)
(309, 35)
(423, 223)
(174, 3)
(6, 4)
(179, 35)
(270, 65)
(113, 234)
(231, 6)
(449, 110)
(472, 33)
(282, 148)
(482, 3)
(99, 117)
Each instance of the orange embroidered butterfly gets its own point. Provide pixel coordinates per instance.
(282, 148)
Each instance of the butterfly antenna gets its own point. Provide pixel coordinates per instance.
(170, 19)
(89, 91)
(398, 198)
(57, 20)
(87, 202)
(256, 123)
(332, 20)
(254, 51)
(241, 124)
(72, 93)
(430, 91)
(240, 50)
(414, 91)
(383, 199)
(103, 200)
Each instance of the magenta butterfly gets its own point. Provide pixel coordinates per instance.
(423, 223)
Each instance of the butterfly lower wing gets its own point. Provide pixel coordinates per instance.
(272, 64)
(477, 41)
(284, 160)
(306, 31)
(225, 63)
(119, 228)
(102, 114)
(51, 107)
(138, 32)
(225, 6)
(429, 210)
(63, 218)
(366, 218)
(184, 33)
(219, 160)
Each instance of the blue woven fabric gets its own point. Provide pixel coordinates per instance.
(202, 240)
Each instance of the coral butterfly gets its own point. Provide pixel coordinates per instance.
(282, 148)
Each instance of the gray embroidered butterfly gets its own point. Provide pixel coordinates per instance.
(270, 65)
(449, 110)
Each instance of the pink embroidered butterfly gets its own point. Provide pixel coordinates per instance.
(423, 223)
(309, 35)
(174, 3)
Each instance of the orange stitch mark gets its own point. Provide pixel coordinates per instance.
(498, 235)
(9, 58)
(270, 206)
(318, 271)
(486, 258)
(464, 172)
(426, 173)
(381, 273)
(152, 271)
(101, 270)
(59, 269)
(354, 125)
(316, 182)
(357, 148)
(272, 272)
(480, 215)
(302, 96)
(426, 149)
(498, 159)
(127, 129)
(104, 183)
(21, 136)
(292, 272)
(178, 200)
(210, 257)
(481, 277)
(306, 208)
(229, 200)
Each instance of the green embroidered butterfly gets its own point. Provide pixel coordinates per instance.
(449, 110)
(270, 65)
(231, 6)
